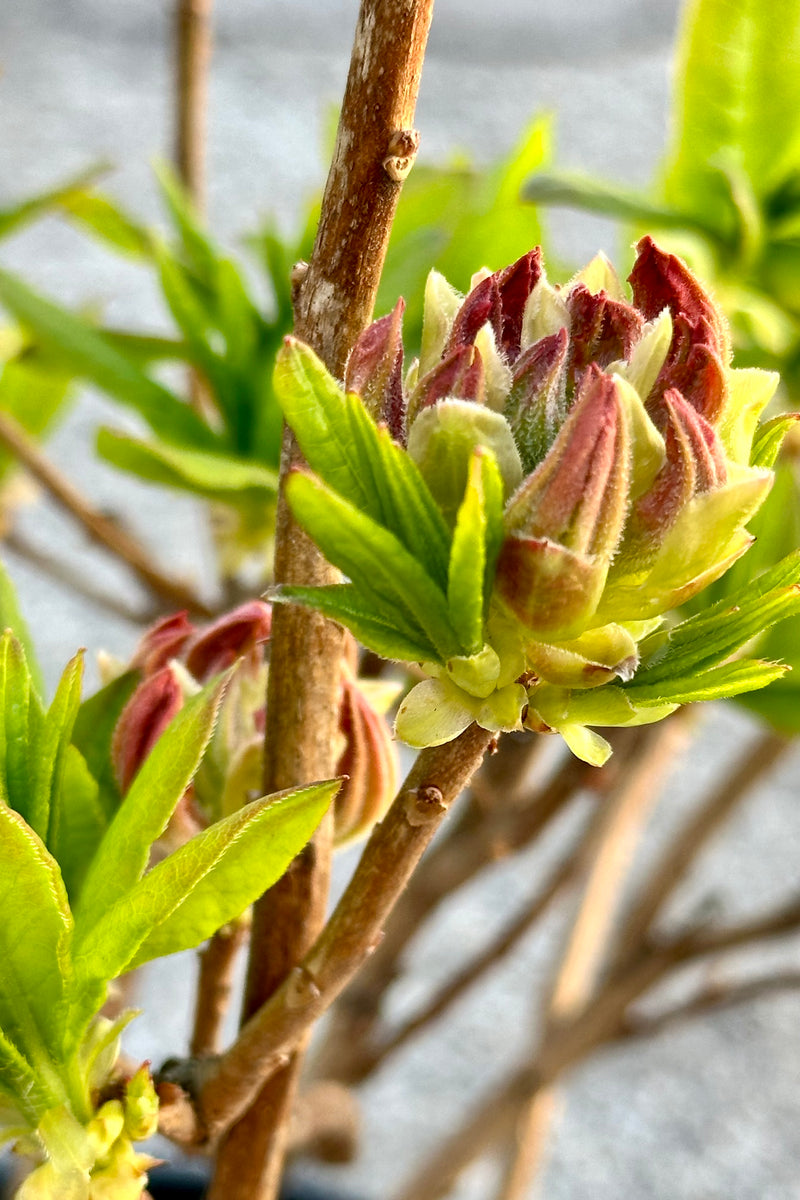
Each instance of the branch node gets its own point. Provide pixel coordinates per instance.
(302, 988)
(423, 805)
(401, 153)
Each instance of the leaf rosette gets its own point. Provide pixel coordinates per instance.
(519, 510)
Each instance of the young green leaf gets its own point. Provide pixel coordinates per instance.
(376, 623)
(218, 477)
(77, 821)
(106, 221)
(16, 729)
(343, 445)
(198, 248)
(91, 735)
(717, 683)
(715, 634)
(213, 878)
(11, 219)
(19, 1084)
(769, 439)
(739, 96)
(35, 936)
(465, 584)
(92, 356)
(47, 762)
(371, 555)
(143, 815)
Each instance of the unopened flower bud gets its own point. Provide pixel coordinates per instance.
(236, 634)
(375, 371)
(142, 721)
(565, 521)
(369, 760)
(161, 642)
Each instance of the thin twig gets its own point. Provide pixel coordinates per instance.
(99, 527)
(193, 38)
(607, 858)
(333, 303)
(454, 988)
(682, 852)
(392, 852)
(713, 998)
(479, 839)
(215, 986)
(77, 581)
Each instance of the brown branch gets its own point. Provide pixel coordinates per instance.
(608, 853)
(479, 839)
(493, 1119)
(353, 930)
(215, 986)
(682, 852)
(713, 998)
(325, 1123)
(193, 47)
(75, 580)
(99, 527)
(334, 300)
(473, 971)
(701, 943)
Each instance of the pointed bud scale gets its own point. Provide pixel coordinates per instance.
(142, 721)
(601, 330)
(369, 760)
(375, 371)
(660, 280)
(442, 302)
(692, 369)
(161, 642)
(141, 1105)
(565, 521)
(695, 463)
(234, 635)
(515, 285)
(459, 376)
(482, 305)
(537, 403)
(578, 495)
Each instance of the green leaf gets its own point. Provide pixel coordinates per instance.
(34, 392)
(17, 734)
(223, 870)
(11, 618)
(91, 735)
(378, 625)
(769, 439)
(18, 1080)
(718, 683)
(143, 814)
(343, 445)
(77, 822)
(715, 634)
(200, 253)
(90, 355)
(569, 190)
(105, 220)
(50, 752)
(738, 101)
(218, 477)
(372, 556)
(11, 219)
(35, 936)
(465, 584)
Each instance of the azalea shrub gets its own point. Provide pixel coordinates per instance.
(520, 509)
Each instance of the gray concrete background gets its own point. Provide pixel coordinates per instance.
(709, 1112)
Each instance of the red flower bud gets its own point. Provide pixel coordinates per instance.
(369, 760)
(459, 376)
(515, 285)
(161, 642)
(142, 721)
(602, 330)
(375, 371)
(234, 635)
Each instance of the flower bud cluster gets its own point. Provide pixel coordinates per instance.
(623, 437)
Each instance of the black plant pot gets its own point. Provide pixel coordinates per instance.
(189, 1183)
